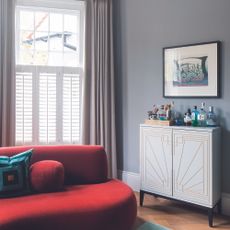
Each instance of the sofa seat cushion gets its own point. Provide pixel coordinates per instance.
(110, 205)
(47, 176)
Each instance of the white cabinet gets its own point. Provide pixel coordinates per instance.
(181, 163)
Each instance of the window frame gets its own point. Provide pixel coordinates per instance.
(35, 7)
(62, 6)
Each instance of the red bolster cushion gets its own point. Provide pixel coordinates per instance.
(47, 176)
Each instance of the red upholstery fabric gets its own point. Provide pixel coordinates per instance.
(105, 206)
(89, 200)
(83, 164)
(47, 176)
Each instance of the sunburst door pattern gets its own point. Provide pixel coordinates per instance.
(191, 171)
(157, 160)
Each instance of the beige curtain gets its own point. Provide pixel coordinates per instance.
(7, 70)
(98, 94)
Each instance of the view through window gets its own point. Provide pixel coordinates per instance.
(49, 48)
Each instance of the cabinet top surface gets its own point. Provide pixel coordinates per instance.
(207, 129)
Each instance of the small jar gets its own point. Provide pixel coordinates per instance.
(161, 113)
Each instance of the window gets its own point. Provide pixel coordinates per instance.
(49, 69)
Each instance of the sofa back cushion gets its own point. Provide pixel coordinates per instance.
(83, 164)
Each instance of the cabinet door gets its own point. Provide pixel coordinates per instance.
(156, 160)
(191, 166)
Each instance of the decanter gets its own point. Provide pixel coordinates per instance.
(202, 116)
(211, 117)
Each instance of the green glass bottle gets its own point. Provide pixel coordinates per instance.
(195, 114)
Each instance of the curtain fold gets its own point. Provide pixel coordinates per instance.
(98, 124)
(7, 71)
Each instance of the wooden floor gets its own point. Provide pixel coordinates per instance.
(177, 216)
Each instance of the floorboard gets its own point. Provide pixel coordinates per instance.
(177, 216)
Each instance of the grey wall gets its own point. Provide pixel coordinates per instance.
(142, 29)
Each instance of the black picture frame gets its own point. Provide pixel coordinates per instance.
(192, 70)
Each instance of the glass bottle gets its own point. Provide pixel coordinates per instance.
(161, 113)
(187, 118)
(178, 119)
(168, 112)
(211, 117)
(172, 110)
(202, 116)
(195, 113)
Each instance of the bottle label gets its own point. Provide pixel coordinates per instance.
(201, 117)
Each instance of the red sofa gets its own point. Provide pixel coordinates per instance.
(89, 201)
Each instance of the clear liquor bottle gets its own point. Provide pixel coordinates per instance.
(172, 111)
(211, 118)
(202, 116)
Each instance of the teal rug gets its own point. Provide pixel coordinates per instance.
(151, 226)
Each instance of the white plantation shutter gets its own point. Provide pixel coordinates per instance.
(48, 105)
(47, 108)
(23, 108)
(71, 108)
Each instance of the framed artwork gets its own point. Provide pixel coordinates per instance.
(192, 70)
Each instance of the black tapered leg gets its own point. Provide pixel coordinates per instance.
(141, 197)
(210, 217)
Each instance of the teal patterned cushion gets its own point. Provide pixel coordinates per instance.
(14, 174)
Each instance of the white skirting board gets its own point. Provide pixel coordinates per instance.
(133, 180)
